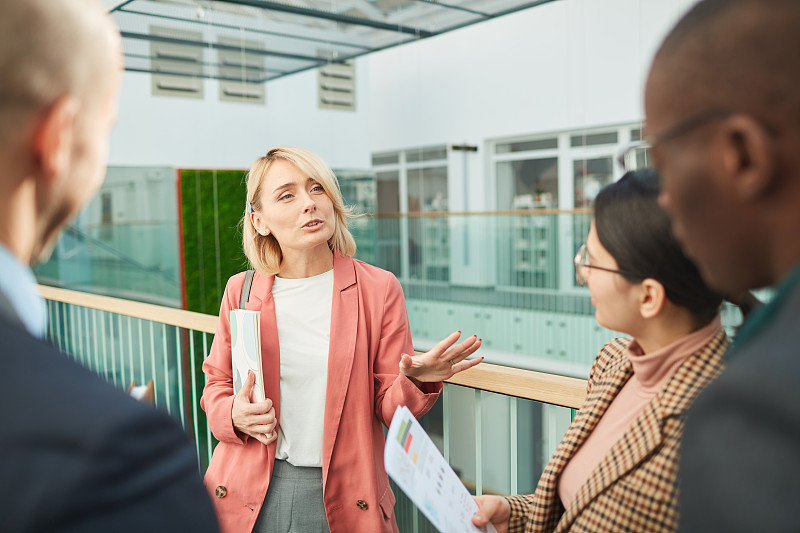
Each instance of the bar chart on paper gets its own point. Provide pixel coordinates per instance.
(415, 464)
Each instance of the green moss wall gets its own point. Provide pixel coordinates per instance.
(212, 203)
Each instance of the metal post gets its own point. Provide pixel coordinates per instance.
(478, 443)
(166, 365)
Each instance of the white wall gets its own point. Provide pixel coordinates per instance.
(564, 65)
(207, 133)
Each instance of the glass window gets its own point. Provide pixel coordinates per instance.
(636, 134)
(388, 186)
(387, 228)
(105, 200)
(358, 190)
(526, 146)
(426, 154)
(428, 237)
(427, 189)
(532, 252)
(594, 139)
(591, 175)
(385, 159)
(643, 157)
(527, 184)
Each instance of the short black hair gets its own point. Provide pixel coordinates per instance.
(742, 55)
(637, 233)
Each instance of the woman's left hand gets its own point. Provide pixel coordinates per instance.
(443, 361)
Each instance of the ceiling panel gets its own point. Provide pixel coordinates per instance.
(290, 36)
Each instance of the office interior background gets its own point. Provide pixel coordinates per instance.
(473, 157)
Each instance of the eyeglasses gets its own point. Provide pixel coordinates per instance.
(582, 261)
(628, 153)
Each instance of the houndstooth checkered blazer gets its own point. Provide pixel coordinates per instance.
(634, 488)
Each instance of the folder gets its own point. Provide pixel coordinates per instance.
(246, 351)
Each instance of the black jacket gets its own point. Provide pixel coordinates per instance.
(78, 455)
(741, 452)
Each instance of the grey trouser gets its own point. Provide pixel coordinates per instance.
(294, 501)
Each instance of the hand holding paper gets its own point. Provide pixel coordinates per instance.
(256, 419)
(492, 509)
(414, 463)
(252, 412)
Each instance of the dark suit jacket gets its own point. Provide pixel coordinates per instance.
(78, 455)
(634, 488)
(741, 461)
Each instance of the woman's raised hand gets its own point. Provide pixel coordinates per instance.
(443, 361)
(254, 419)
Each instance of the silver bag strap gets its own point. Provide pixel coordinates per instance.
(248, 281)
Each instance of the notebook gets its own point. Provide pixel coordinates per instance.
(246, 351)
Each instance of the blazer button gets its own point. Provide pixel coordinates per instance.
(362, 505)
(221, 491)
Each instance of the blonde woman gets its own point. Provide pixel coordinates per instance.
(337, 361)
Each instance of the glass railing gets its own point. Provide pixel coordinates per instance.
(530, 250)
(137, 261)
(496, 426)
(506, 276)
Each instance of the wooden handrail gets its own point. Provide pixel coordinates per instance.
(529, 384)
(538, 386)
(154, 313)
(515, 212)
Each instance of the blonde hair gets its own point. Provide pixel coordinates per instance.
(264, 252)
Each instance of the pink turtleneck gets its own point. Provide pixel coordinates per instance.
(650, 374)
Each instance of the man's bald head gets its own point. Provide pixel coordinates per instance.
(60, 68)
(742, 55)
(49, 49)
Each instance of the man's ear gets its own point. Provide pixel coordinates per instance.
(651, 298)
(748, 156)
(53, 137)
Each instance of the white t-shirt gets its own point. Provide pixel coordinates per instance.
(303, 314)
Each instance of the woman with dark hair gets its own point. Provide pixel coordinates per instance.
(616, 467)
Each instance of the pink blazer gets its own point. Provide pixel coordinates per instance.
(369, 331)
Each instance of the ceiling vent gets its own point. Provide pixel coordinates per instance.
(337, 86)
(242, 70)
(183, 63)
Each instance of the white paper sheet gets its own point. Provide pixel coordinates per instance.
(415, 464)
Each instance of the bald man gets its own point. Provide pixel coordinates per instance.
(75, 454)
(722, 105)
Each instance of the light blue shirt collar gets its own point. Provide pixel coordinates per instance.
(19, 285)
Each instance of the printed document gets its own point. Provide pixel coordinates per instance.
(415, 464)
